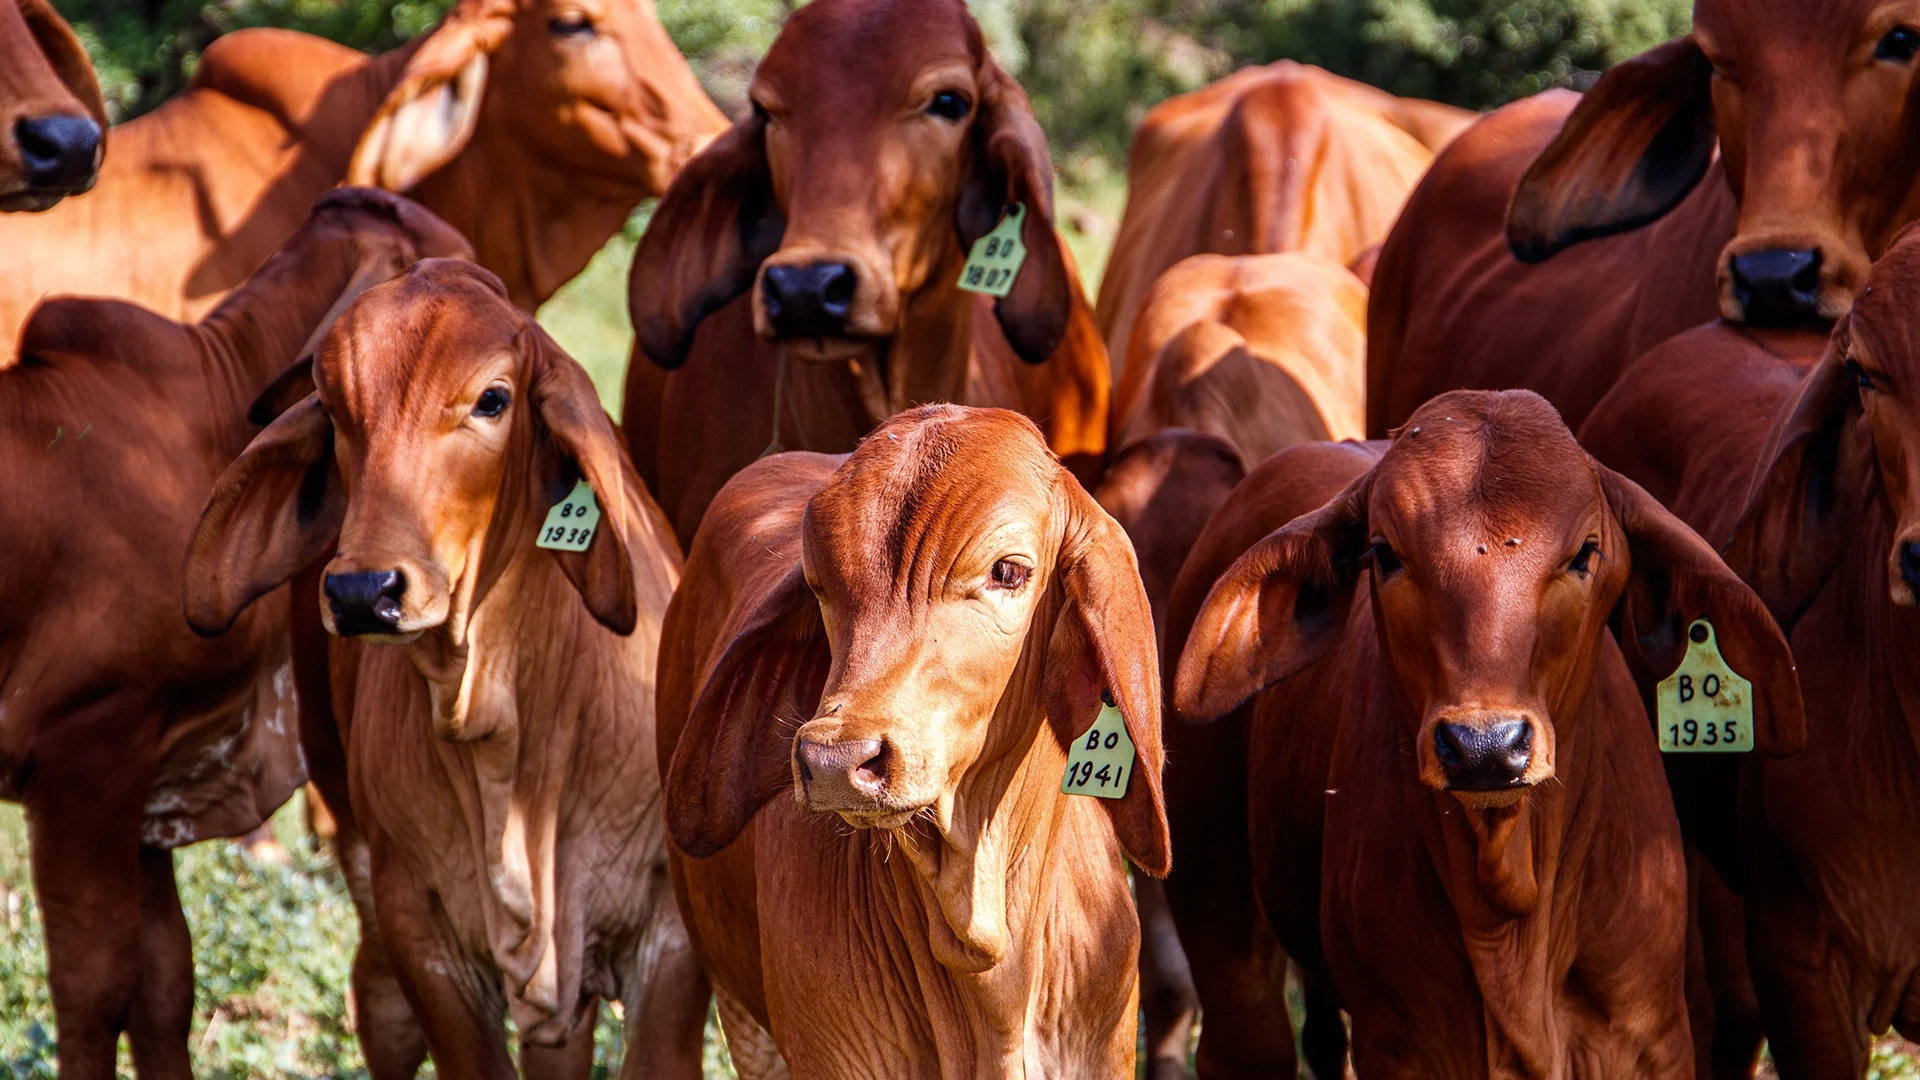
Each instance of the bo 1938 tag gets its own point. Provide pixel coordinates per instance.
(1704, 706)
(996, 257)
(1101, 761)
(571, 522)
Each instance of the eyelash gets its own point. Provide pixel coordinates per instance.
(1384, 557)
(1582, 563)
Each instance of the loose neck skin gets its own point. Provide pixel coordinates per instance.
(928, 356)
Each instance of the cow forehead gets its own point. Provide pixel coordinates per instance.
(413, 339)
(1884, 312)
(1784, 25)
(865, 54)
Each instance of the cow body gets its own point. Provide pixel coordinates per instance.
(51, 112)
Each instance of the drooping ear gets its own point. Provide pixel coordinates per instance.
(1104, 641)
(574, 425)
(1676, 578)
(1812, 490)
(1277, 610)
(717, 222)
(1631, 150)
(1010, 165)
(67, 57)
(289, 388)
(274, 510)
(431, 113)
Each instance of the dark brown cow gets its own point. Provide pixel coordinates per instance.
(51, 113)
(1811, 103)
(1451, 792)
(123, 734)
(808, 262)
(908, 640)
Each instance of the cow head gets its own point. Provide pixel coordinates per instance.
(884, 141)
(1813, 104)
(1497, 552)
(51, 112)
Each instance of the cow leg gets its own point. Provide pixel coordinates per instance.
(1802, 978)
(461, 1013)
(1737, 1032)
(163, 1002)
(666, 998)
(1168, 1000)
(571, 1060)
(390, 1036)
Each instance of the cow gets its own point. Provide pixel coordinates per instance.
(1643, 230)
(51, 111)
(1795, 454)
(870, 681)
(801, 277)
(123, 734)
(532, 126)
(497, 699)
(1284, 157)
(1445, 799)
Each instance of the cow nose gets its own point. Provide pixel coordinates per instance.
(58, 151)
(366, 603)
(834, 773)
(810, 301)
(1910, 564)
(1778, 288)
(1484, 757)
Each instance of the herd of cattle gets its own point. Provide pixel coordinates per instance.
(292, 487)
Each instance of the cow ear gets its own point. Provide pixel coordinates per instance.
(431, 113)
(575, 426)
(289, 388)
(1277, 610)
(68, 58)
(1636, 144)
(1812, 490)
(717, 222)
(274, 510)
(1103, 642)
(1676, 578)
(1010, 166)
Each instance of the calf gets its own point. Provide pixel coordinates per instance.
(911, 639)
(51, 112)
(124, 735)
(1455, 806)
(497, 698)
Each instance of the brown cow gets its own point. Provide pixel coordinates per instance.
(1277, 158)
(1810, 103)
(910, 638)
(808, 262)
(1452, 797)
(533, 127)
(498, 750)
(123, 734)
(51, 112)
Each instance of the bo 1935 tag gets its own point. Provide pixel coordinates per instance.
(1101, 761)
(1704, 706)
(570, 524)
(996, 257)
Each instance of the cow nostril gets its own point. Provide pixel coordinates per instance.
(366, 602)
(871, 774)
(58, 151)
(836, 294)
(1778, 287)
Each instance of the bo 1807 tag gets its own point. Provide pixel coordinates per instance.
(996, 257)
(1704, 706)
(1101, 761)
(570, 524)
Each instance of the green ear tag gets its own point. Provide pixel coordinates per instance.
(571, 522)
(1704, 707)
(1101, 761)
(996, 257)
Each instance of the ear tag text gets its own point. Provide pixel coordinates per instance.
(1101, 761)
(570, 524)
(996, 257)
(1704, 707)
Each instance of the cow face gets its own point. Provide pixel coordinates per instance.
(51, 112)
(1812, 103)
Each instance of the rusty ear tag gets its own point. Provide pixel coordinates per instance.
(1705, 708)
(1101, 761)
(570, 524)
(996, 257)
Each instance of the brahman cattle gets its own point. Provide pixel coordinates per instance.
(1277, 158)
(51, 112)
(871, 680)
(1446, 780)
(498, 698)
(532, 126)
(1809, 103)
(124, 735)
(1803, 465)
(802, 278)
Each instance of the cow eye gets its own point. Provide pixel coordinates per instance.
(1859, 375)
(1009, 575)
(1899, 46)
(1583, 561)
(948, 105)
(493, 402)
(1384, 558)
(570, 24)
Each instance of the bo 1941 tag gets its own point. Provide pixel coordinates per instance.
(996, 257)
(1704, 707)
(571, 522)
(1101, 761)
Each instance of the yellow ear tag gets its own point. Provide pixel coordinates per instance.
(1704, 707)
(996, 257)
(1101, 761)
(571, 522)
